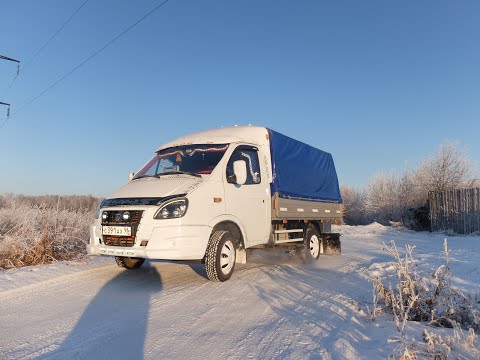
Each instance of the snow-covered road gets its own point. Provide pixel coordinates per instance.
(274, 307)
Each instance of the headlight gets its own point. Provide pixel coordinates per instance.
(172, 209)
(126, 216)
(104, 216)
(97, 210)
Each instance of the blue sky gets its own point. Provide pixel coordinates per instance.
(379, 84)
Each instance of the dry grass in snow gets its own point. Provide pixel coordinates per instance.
(32, 234)
(430, 298)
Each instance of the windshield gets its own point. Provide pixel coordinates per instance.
(190, 159)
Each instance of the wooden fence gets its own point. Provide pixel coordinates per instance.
(457, 210)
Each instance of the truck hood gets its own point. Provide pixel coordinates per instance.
(163, 186)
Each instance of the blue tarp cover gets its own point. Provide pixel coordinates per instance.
(301, 171)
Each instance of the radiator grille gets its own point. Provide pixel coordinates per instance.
(114, 218)
(135, 217)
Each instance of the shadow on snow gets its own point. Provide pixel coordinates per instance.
(114, 324)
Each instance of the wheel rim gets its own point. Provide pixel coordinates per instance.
(314, 246)
(227, 257)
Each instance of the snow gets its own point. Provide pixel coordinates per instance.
(273, 307)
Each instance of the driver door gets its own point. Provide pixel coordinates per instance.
(249, 202)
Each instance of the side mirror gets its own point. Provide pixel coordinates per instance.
(240, 171)
(130, 176)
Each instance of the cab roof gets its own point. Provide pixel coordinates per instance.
(249, 134)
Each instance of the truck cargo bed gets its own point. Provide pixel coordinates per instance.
(294, 209)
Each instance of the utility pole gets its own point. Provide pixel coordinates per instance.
(8, 108)
(2, 57)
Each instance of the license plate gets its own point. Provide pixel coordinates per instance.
(117, 230)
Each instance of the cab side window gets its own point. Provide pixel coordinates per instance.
(250, 155)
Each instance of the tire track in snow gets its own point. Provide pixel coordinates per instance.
(297, 330)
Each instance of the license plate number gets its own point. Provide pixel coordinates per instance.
(117, 230)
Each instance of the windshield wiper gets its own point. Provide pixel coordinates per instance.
(180, 172)
(145, 176)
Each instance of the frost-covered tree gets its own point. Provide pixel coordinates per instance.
(448, 168)
(383, 198)
(388, 197)
(354, 203)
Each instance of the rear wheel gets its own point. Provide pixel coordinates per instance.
(220, 256)
(129, 262)
(313, 244)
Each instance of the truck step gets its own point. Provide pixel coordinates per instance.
(288, 240)
(288, 231)
(278, 233)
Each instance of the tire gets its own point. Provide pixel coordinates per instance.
(220, 256)
(129, 262)
(312, 244)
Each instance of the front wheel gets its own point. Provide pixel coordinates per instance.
(129, 262)
(220, 256)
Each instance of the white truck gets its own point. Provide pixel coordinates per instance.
(212, 195)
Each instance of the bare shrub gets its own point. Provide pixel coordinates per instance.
(435, 346)
(407, 350)
(416, 297)
(429, 298)
(31, 234)
(354, 203)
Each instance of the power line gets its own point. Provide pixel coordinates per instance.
(41, 48)
(54, 35)
(151, 12)
(9, 86)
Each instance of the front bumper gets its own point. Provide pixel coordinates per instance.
(181, 242)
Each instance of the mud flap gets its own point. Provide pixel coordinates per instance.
(331, 244)
(240, 256)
